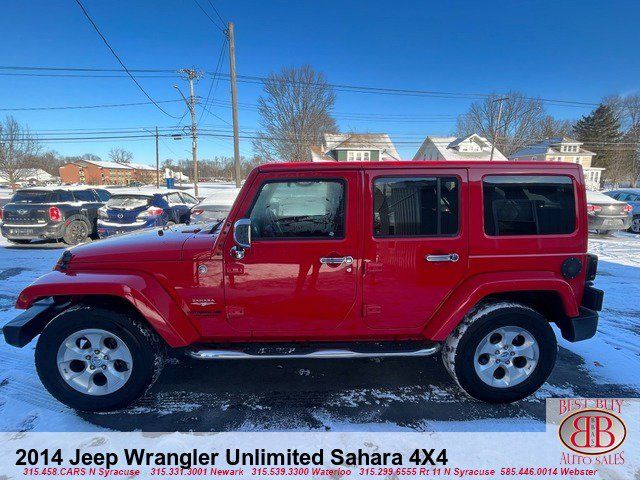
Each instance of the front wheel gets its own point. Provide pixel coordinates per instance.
(501, 352)
(95, 359)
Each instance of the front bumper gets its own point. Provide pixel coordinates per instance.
(46, 231)
(585, 325)
(22, 329)
(618, 222)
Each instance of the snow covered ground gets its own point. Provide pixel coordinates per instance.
(339, 395)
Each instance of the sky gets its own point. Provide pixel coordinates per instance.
(579, 51)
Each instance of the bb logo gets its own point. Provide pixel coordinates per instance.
(592, 432)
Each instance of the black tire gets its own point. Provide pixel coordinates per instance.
(19, 241)
(635, 225)
(147, 352)
(604, 232)
(76, 232)
(460, 348)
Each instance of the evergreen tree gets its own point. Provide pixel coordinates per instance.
(600, 132)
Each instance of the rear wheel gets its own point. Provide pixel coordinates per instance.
(76, 232)
(95, 359)
(501, 352)
(635, 224)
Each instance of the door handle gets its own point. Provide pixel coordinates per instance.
(348, 260)
(449, 257)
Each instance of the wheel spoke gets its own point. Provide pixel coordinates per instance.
(89, 366)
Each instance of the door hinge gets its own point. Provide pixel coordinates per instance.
(372, 310)
(373, 267)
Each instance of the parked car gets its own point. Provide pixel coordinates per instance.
(606, 214)
(322, 260)
(53, 213)
(209, 210)
(135, 210)
(632, 197)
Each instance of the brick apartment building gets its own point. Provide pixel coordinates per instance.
(91, 172)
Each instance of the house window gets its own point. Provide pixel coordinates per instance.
(358, 156)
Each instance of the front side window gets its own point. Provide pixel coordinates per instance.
(299, 209)
(528, 205)
(406, 207)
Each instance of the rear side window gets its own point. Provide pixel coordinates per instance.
(188, 199)
(128, 201)
(174, 199)
(64, 196)
(299, 209)
(528, 205)
(103, 195)
(410, 207)
(84, 195)
(31, 196)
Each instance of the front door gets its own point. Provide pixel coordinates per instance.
(299, 277)
(416, 244)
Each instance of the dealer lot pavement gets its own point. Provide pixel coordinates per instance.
(365, 394)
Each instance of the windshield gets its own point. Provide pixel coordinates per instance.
(128, 201)
(31, 196)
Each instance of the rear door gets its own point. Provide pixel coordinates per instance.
(299, 277)
(416, 244)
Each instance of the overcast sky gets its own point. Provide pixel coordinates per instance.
(579, 51)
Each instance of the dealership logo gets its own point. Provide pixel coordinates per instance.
(592, 432)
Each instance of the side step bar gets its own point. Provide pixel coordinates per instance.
(315, 352)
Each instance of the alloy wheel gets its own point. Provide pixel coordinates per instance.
(506, 357)
(94, 361)
(635, 225)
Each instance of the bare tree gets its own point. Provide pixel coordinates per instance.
(294, 114)
(120, 155)
(627, 111)
(520, 124)
(17, 147)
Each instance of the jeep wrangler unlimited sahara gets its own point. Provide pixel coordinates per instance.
(472, 259)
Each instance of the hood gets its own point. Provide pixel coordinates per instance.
(146, 245)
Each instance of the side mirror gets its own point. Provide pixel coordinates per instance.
(242, 232)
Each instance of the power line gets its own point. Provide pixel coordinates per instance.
(79, 107)
(222, 29)
(106, 42)
(215, 80)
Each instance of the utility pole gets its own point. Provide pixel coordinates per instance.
(191, 103)
(157, 162)
(493, 140)
(234, 103)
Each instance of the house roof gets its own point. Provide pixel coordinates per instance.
(29, 173)
(446, 146)
(102, 164)
(361, 141)
(547, 147)
(317, 155)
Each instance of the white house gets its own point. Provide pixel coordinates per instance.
(354, 147)
(472, 147)
(31, 176)
(563, 149)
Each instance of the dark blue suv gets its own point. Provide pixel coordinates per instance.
(129, 211)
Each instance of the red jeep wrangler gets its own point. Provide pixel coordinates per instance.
(475, 259)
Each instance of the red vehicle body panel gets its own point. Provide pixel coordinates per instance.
(190, 289)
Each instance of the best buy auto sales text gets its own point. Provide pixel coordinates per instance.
(230, 456)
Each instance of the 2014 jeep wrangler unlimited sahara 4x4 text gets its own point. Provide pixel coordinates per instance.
(473, 259)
